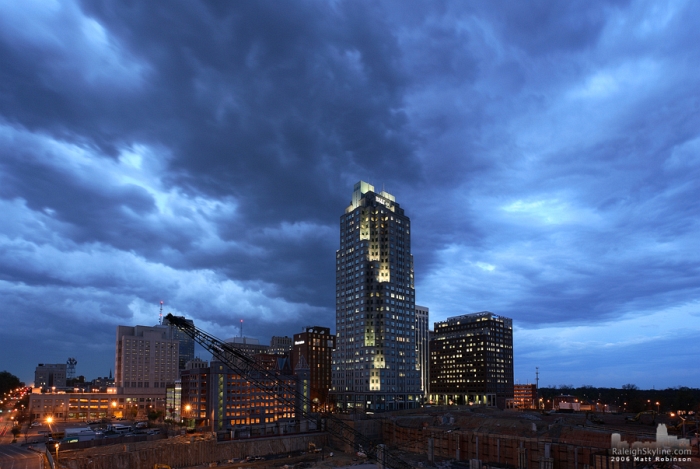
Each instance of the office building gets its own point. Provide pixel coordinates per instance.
(146, 359)
(248, 345)
(423, 347)
(50, 376)
(196, 363)
(316, 345)
(222, 400)
(186, 347)
(471, 360)
(375, 364)
(281, 345)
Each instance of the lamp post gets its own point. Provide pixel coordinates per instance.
(188, 408)
(56, 445)
(49, 421)
(658, 406)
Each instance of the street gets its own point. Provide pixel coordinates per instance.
(14, 456)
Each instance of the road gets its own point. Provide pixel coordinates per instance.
(14, 456)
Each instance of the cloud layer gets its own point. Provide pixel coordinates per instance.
(201, 153)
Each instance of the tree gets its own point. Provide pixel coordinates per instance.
(8, 382)
(154, 415)
(685, 399)
(15, 431)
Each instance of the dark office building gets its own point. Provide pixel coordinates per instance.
(471, 360)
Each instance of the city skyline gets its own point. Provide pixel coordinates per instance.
(200, 154)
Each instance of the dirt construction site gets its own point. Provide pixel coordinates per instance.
(459, 437)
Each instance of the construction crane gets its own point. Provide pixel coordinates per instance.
(249, 368)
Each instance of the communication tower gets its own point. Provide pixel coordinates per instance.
(70, 368)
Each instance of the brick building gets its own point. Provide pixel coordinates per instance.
(525, 396)
(316, 345)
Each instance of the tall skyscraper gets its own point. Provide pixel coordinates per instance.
(375, 364)
(423, 347)
(471, 360)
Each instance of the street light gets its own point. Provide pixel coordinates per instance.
(57, 445)
(657, 407)
(188, 408)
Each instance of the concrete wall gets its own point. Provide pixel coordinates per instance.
(371, 429)
(186, 451)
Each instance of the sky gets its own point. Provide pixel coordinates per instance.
(202, 153)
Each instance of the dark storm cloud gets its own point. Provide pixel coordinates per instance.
(294, 92)
(202, 153)
(546, 27)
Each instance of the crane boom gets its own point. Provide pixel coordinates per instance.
(249, 368)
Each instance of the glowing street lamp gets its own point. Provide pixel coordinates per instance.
(188, 408)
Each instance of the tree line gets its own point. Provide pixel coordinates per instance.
(630, 398)
(8, 382)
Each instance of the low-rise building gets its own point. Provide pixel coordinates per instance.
(74, 406)
(525, 396)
